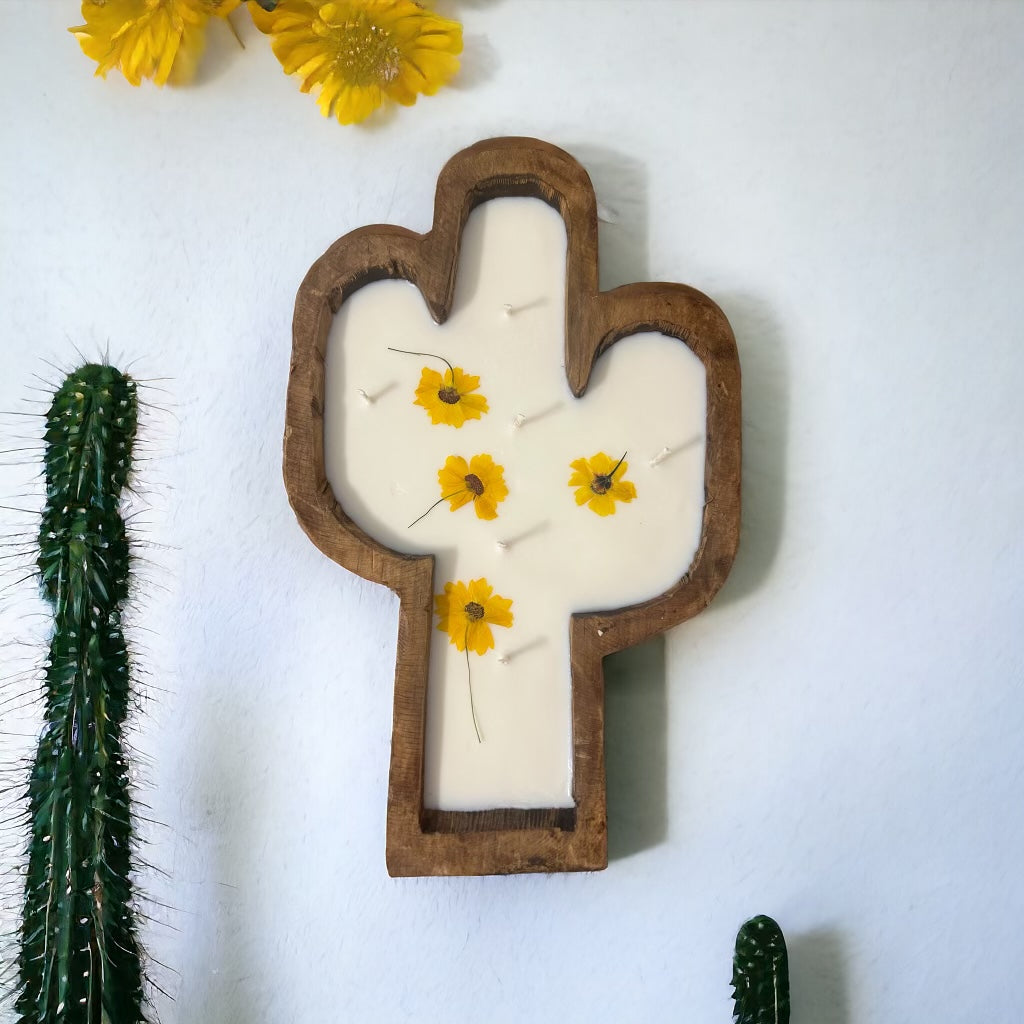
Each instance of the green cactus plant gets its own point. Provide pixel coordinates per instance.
(760, 973)
(79, 959)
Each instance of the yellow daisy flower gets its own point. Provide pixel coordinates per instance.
(362, 52)
(448, 398)
(158, 39)
(599, 483)
(481, 482)
(467, 612)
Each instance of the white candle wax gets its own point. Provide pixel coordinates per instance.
(550, 556)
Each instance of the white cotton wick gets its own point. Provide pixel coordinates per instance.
(507, 309)
(367, 400)
(518, 421)
(661, 456)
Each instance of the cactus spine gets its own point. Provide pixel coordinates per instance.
(79, 959)
(760, 973)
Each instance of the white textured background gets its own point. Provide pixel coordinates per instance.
(837, 742)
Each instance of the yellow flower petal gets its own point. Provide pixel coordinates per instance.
(581, 476)
(623, 491)
(401, 92)
(599, 483)
(438, 38)
(463, 497)
(158, 39)
(328, 94)
(434, 69)
(457, 416)
(449, 607)
(473, 406)
(446, 397)
(480, 481)
(453, 473)
(479, 638)
(295, 15)
(464, 381)
(492, 479)
(430, 380)
(497, 611)
(299, 55)
(373, 50)
(186, 63)
(471, 629)
(483, 465)
(358, 103)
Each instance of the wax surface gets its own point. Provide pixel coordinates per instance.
(647, 394)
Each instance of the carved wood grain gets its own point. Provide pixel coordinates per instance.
(429, 842)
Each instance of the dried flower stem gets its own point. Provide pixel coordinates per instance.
(469, 680)
(427, 355)
(436, 503)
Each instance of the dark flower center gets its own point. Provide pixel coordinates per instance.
(601, 484)
(475, 484)
(474, 611)
(448, 395)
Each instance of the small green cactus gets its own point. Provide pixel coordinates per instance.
(79, 959)
(760, 974)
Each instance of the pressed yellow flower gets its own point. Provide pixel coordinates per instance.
(599, 483)
(467, 612)
(362, 52)
(448, 398)
(158, 39)
(481, 482)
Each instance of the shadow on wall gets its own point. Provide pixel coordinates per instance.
(636, 748)
(635, 695)
(223, 48)
(620, 183)
(818, 988)
(765, 371)
(636, 741)
(223, 985)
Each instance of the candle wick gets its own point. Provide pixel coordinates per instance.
(661, 456)
(503, 659)
(503, 545)
(364, 396)
(518, 421)
(508, 309)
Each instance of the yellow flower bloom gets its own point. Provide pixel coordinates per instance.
(158, 39)
(481, 482)
(599, 482)
(362, 52)
(448, 398)
(468, 611)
